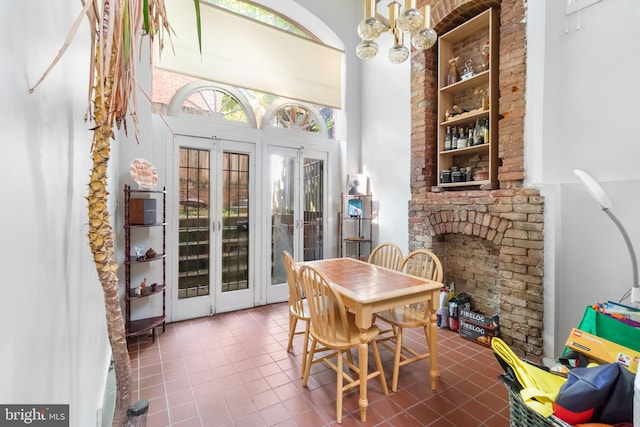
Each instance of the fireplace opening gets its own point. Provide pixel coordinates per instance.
(472, 264)
(491, 246)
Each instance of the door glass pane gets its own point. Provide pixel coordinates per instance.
(313, 196)
(282, 210)
(235, 221)
(193, 234)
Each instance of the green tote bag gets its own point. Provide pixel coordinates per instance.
(595, 323)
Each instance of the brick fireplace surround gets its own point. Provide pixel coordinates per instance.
(490, 241)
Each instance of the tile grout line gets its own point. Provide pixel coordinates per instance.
(164, 380)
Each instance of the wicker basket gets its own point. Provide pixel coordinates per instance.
(520, 415)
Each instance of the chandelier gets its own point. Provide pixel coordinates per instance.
(416, 23)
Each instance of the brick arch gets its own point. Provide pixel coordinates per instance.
(447, 14)
(511, 220)
(470, 222)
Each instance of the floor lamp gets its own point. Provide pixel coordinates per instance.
(598, 193)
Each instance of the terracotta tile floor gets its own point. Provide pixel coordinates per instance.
(232, 369)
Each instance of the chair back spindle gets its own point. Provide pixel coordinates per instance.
(423, 263)
(296, 295)
(327, 311)
(388, 255)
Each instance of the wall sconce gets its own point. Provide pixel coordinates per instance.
(599, 195)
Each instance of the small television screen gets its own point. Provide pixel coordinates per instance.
(355, 207)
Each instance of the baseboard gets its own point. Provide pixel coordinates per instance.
(104, 414)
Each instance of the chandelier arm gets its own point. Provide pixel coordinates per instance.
(394, 12)
(416, 22)
(426, 15)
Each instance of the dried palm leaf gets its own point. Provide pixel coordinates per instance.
(65, 45)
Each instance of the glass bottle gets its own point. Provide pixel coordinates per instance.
(478, 133)
(462, 138)
(454, 74)
(447, 139)
(485, 55)
(486, 131)
(470, 137)
(454, 139)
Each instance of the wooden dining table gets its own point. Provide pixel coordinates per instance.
(366, 289)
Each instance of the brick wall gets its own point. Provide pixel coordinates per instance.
(490, 242)
(165, 85)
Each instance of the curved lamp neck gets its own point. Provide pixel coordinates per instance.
(627, 240)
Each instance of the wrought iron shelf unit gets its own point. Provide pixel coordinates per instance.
(355, 228)
(157, 288)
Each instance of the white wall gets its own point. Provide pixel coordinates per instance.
(378, 114)
(581, 114)
(386, 143)
(52, 322)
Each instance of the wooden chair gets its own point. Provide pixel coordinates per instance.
(421, 263)
(333, 328)
(298, 309)
(387, 255)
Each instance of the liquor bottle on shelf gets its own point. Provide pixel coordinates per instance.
(454, 139)
(454, 74)
(470, 137)
(486, 130)
(485, 56)
(478, 133)
(462, 138)
(447, 139)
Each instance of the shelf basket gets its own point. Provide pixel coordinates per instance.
(520, 415)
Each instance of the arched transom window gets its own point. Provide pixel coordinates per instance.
(287, 114)
(212, 101)
(204, 99)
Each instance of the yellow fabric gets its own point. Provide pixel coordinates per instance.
(540, 387)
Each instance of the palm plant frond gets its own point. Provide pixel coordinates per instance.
(65, 45)
(196, 4)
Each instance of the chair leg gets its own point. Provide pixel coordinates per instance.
(305, 349)
(339, 386)
(293, 322)
(350, 356)
(376, 356)
(396, 361)
(432, 354)
(307, 364)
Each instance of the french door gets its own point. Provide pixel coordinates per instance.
(296, 211)
(215, 241)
